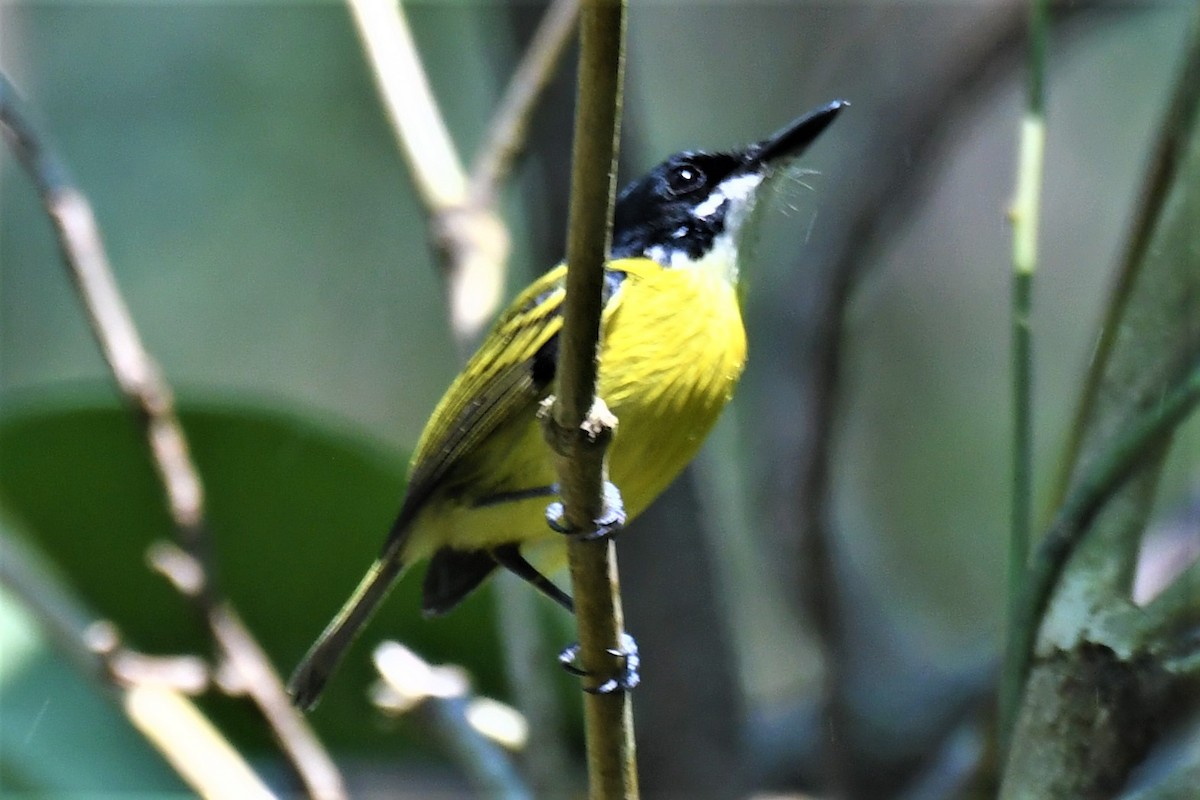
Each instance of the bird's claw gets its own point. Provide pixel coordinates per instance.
(625, 680)
(611, 521)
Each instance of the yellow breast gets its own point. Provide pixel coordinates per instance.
(672, 348)
(672, 351)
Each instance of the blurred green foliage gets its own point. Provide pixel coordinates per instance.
(280, 492)
(51, 709)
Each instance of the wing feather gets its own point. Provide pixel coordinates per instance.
(498, 382)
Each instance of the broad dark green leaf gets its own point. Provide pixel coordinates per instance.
(297, 512)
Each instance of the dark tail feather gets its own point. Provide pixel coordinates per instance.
(308, 681)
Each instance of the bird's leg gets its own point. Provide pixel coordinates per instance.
(509, 556)
(598, 426)
(589, 441)
(623, 681)
(611, 521)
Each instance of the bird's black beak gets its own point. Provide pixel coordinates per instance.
(795, 138)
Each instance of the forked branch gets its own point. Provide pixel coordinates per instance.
(151, 400)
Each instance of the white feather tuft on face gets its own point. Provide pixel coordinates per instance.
(737, 190)
(722, 257)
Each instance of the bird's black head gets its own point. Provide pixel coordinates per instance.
(683, 206)
(659, 210)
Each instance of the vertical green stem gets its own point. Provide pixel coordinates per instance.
(1025, 231)
(579, 426)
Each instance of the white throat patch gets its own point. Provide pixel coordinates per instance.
(721, 260)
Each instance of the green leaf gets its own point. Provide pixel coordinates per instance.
(297, 511)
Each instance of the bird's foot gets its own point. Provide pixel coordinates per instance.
(626, 678)
(611, 521)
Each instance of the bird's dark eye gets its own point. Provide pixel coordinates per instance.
(685, 178)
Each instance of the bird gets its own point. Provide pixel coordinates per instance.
(671, 351)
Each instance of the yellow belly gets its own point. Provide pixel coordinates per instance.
(672, 351)
(672, 354)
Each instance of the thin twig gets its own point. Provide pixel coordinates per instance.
(1025, 218)
(407, 97)
(150, 397)
(61, 616)
(441, 695)
(136, 373)
(471, 241)
(528, 655)
(525, 645)
(507, 133)
(1174, 135)
(158, 708)
(193, 745)
(1067, 692)
(578, 425)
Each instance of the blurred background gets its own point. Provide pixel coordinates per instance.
(266, 235)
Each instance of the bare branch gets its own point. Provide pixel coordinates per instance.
(1142, 439)
(917, 135)
(1025, 216)
(195, 748)
(506, 135)
(408, 99)
(471, 240)
(151, 690)
(579, 426)
(151, 399)
(441, 695)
